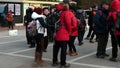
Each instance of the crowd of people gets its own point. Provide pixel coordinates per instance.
(102, 21)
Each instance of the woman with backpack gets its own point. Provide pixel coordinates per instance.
(62, 35)
(40, 27)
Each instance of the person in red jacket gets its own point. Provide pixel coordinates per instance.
(62, 35)
(73, 35)
(115, 34)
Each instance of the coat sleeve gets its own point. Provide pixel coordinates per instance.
(68, 22)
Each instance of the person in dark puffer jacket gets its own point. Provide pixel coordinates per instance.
(101, 29)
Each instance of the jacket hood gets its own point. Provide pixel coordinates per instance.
(79, 11)
(35, 15)
(60, 7)
(115, 5)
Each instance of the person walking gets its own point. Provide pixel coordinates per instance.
(62, 35)
(101, 29)
(10, 19)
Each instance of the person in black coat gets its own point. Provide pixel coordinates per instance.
(101, 29)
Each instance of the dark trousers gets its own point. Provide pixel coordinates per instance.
(56, 47)
(90, 31)
(71, 44)
(102, 43)
(45, 42)
(10, 25)
(27, 35)
(40, 43)
(115, 43)
(81, 35)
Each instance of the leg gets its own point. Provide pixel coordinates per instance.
(45, 43)
(56, 48)
(63, 53)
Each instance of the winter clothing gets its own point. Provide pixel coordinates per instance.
(65, 28)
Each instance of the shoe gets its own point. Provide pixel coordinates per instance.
(86, 38)
(91, 41)
(81, 43)
(68, 53)
(44, 50)
(67, 65)
(74, 54)
(101, 56)
(31, 46)
(113, 59)
(106, 55)
(55, 63)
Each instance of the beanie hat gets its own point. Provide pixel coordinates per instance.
(38, 10)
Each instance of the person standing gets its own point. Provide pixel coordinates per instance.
(10, 19)
(46, 13)
(74, 33)
(101, 29)
(81, 25)
(62, 35)
(40, 25)
(115, 33)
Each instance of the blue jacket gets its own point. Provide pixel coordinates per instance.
(100, 21)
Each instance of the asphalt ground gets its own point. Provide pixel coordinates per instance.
(15, 53)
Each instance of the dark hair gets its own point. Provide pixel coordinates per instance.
(45, 8)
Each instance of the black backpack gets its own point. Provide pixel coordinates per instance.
(57, 20)
(117, 25)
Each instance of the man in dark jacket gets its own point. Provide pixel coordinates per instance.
(101, 29)
(28, 19)
(82, 24)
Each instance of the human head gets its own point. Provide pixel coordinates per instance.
(38, 10)
(46, 11)
(105, 5)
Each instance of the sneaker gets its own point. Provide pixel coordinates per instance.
(91, 41)
(106, 55)
(55, 63)
(113, 59)
(101, 56)
(81, 43)
(86, 38)
(31, 46)
(67, 65)
(44, 50)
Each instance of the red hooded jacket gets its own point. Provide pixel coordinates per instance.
(74, 26)
(115, 7)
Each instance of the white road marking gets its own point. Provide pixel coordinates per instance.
(22, 50)
(47, 59)
(82, 57)
(11, 41)
(10, 36)
(91, 65)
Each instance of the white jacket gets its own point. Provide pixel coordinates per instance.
(40, 29)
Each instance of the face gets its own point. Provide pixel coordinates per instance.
(105, 6)
(46, 12)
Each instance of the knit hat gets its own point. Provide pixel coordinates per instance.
(38, 10)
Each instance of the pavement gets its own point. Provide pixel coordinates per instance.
(15, 53)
